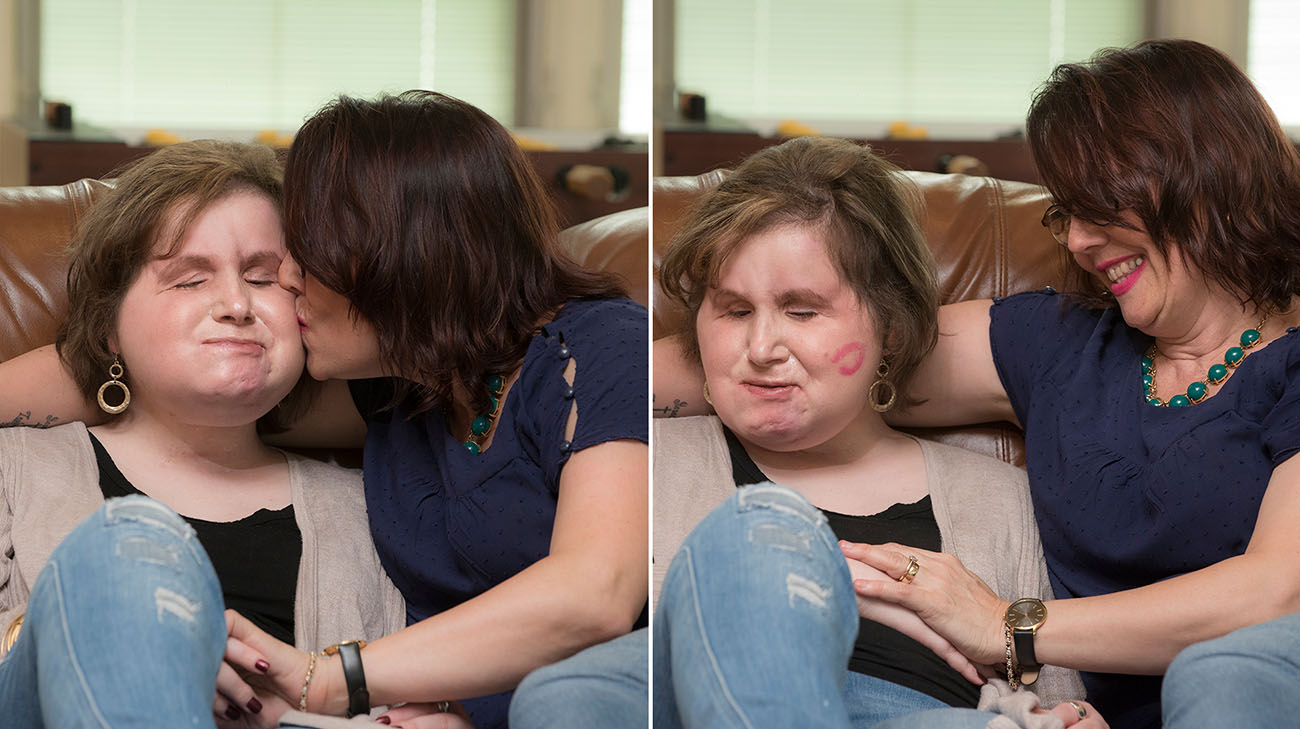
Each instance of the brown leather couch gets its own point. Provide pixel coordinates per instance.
(36, 224)
(987, 239)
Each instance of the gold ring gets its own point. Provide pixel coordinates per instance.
(1077, 707)
(912, 568)
(445, 707)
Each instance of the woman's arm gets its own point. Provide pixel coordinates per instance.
(957, 382)
(36, 389)
(589, 588)
(1136, 631)
(678, 382)
(332, 421)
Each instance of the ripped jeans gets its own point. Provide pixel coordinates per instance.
(125, 627)
(755, 624)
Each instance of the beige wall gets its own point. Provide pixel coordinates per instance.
(1218, 23)
(569, 64)
(8, 57)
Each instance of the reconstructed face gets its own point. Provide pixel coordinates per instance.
(339, 345)
(1155, 292)
(788, 351)
(206, 335)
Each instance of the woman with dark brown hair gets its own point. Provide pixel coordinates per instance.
(501, 390)
(111, 603)
(1161, 406)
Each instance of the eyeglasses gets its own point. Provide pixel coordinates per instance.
(1057, 221)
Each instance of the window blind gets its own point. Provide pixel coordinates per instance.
(257, 64)
(882, 60)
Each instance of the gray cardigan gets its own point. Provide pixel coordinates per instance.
(982, 507)
(49, 483)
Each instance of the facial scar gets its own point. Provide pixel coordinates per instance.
(855, 355)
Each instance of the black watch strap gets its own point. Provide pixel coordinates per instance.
(1029, 665)
(355, 677)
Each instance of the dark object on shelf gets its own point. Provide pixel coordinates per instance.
(692, 107)
(58, 115)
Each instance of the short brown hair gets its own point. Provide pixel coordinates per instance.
(1176, 132)
(423, 212)
(864, 206)
(117, 237)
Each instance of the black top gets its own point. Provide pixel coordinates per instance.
(881, 651)
(256, 558)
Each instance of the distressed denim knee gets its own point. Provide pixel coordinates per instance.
(758, 588)
(126, 621)
(136, 533)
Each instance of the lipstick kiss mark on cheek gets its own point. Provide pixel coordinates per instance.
(852, 353)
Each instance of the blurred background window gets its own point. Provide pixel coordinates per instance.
(257, 64)
(252, 64)
(1274, 55)
(923, 60)
(634, 111)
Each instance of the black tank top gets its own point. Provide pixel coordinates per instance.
(256, 558)
(881, 651)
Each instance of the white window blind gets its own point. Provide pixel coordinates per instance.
(882, 60)
(258, 64)
(1274, 55)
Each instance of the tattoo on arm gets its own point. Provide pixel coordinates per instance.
(25, 419)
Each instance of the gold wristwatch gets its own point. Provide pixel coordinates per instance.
(1024, 617)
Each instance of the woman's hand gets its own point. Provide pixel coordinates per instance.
(907, 623)
(1068, 713)
(428, 716)
(946, 596)
(259, 667)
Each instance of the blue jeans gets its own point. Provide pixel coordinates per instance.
(605, 685)
(1248, 678)
(124, 627)
(756, 621)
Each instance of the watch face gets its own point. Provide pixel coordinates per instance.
(1025, 614)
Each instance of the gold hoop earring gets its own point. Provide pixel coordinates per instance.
(115, 372)
(873, 394)
(706, 395)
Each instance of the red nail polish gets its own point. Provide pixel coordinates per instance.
(384, 720)
(255, 706)
(232, 713)
(262, 665)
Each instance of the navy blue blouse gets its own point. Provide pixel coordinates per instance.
(1127, 494)
(449, 525)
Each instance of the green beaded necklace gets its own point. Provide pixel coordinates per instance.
(1199, 390)
(479, 427)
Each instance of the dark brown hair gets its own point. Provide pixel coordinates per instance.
(423, 212)
(865, 208)
(1174, 131)
(119, 234)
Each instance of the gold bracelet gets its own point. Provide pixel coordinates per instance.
(1011, 665)
(311, 666)
(11, 634)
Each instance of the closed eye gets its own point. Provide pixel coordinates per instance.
(189, 284)
(804, 315)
